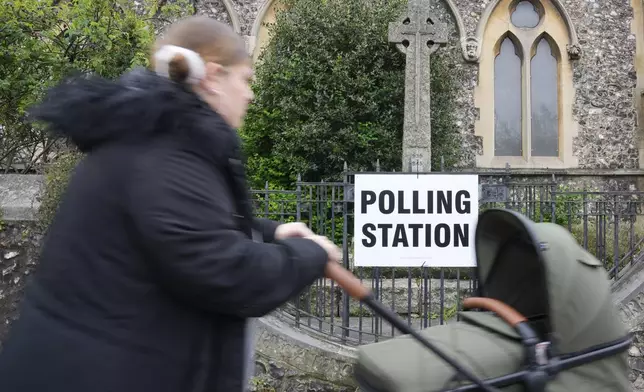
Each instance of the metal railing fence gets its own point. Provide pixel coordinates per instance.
(609, 224)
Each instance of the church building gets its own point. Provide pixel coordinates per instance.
(549, 86)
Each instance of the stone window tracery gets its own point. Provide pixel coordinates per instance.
(525, 15)
(525, 87)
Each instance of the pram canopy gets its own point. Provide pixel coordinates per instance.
(541, 271)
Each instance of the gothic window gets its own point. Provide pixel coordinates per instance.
(543, 101)
(507, 100)
(525, 80)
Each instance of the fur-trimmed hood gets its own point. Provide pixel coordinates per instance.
(91, 111)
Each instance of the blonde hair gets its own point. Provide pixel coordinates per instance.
(212, 40)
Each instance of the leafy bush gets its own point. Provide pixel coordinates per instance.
(42, 41)
(57, 177)
(261, 384)
(566, 206)
(538, 202)
(303, 204)
(330, 88)
(275, 203)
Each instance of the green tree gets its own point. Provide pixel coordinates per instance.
(42, 41)
(329, 89)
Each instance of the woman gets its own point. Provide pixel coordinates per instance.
(150, 271)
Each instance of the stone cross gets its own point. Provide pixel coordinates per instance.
(418, 34)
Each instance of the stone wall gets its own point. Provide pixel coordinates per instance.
(288, 361)
(400, 295)
(604, 76)
(636, 361)
(571, 180)
(214, 9)
(628, 294)
(19, 243)
(247, 11)
(466, 74)
(604, 79)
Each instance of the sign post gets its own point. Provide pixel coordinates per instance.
(414, 220)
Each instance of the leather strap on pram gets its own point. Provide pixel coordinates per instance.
(506, 312)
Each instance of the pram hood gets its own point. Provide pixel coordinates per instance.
(540, 270)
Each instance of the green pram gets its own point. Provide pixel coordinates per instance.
(543, 321)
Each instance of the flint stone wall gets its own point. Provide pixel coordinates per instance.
(326, 298)
(604, 77)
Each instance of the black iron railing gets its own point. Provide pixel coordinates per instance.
(608, 224)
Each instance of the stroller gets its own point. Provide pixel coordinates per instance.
(543, 321)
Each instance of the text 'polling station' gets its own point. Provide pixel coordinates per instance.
(391, 234)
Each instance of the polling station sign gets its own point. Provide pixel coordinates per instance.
(414, 220)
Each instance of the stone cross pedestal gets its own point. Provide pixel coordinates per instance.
(418, 34)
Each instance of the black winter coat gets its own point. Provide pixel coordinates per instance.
(149, 271)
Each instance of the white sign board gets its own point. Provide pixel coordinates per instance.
(414, 220)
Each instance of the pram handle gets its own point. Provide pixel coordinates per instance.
(353, 286)
(348, 281)
(506, 312)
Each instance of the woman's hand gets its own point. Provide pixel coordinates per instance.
(293, 229)
(334, 253)
(299, 229)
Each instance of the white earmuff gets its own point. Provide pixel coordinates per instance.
(196, 65)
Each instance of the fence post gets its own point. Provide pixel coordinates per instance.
(506, 180)
(377, 285)
(553, 197)
(616, 216)
(298, 218)
(266, 201)
(345, 250)
(585, 212)
(441, 317)
(298, 198)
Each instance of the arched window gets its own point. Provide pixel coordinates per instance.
(544, 98)
(525, 87)
(507, 100)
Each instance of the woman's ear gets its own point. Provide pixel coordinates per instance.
(213, 71)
